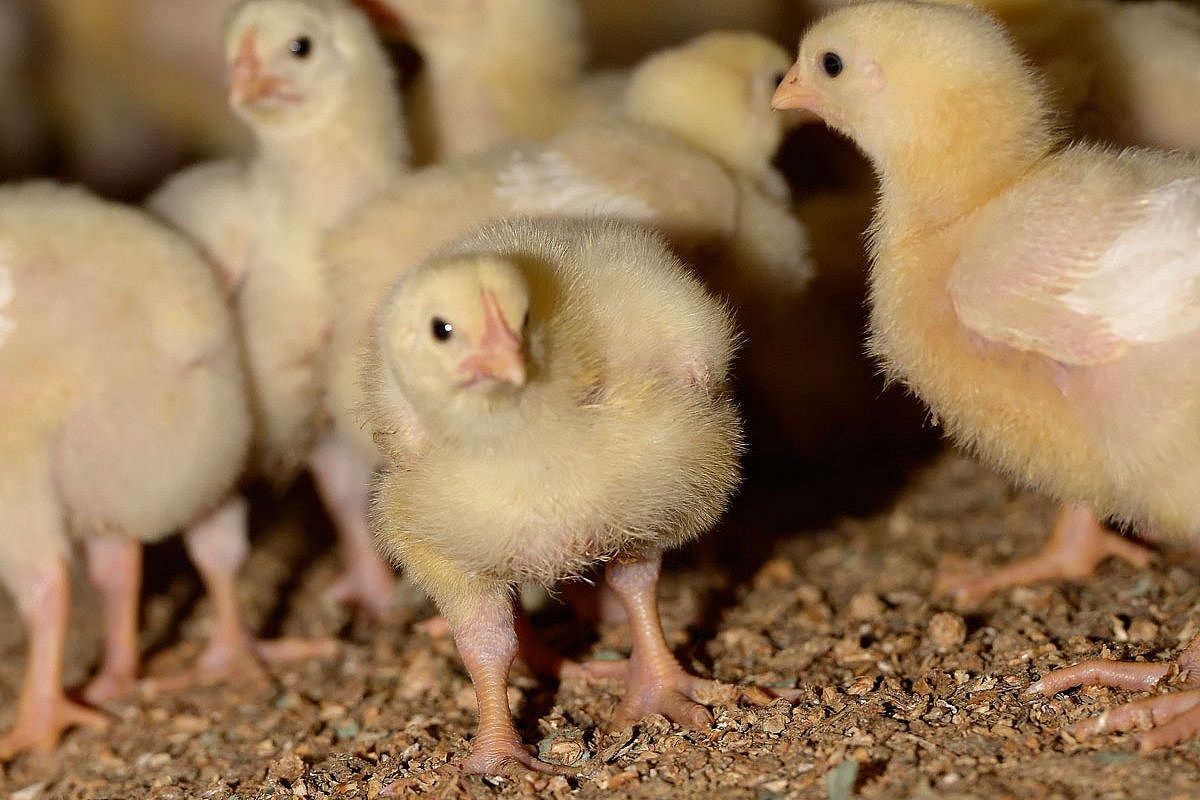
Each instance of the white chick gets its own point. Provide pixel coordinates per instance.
(136, 426)
(314, 85)
(1036, 295)
(496, 72)
(552, 394)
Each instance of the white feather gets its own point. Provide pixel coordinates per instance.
(1145, 287)
(547, 183)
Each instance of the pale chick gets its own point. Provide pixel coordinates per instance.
(1124, 73)
(497, 71)
(313, 83)
(552, 394)
(125, 418)
(747, 242)
(1036, 295)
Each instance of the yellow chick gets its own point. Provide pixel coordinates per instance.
(1124, 72)
(1035, 295)
(136, 426)
(314, 85)
(495, 72)
(551, 394)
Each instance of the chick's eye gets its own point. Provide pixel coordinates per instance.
(778, 78)
(300, 47)
(832, 64)
(442, 330)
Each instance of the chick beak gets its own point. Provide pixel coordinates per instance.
(793, 94)
(248, 82)
(500, 354)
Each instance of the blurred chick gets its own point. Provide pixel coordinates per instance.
(124, 418)
(495, 72)
(1035, 295)
(314, 85)
(515, 380)
(1124, 73)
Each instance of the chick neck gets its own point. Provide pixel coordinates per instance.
(961, 150)
(358, 147)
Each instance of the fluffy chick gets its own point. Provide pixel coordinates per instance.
(518, 376)
(137, 426)
(1122, 72)
(495, 72)
(1035, 295)
(314, 85)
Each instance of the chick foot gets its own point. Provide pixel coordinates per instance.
(1172, 717)
(654, 680)
(218, 547)
(1078, 544)
(43, 712)
(342, 481)
(115, 569)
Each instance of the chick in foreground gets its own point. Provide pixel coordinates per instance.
(551, 394)
(315, 87)
(1036, 295)
(124, 417)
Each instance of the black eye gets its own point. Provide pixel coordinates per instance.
(525, 321)
(779, 76)
(300, 47)
(442, 329)
(832, 64)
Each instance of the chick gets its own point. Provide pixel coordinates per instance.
(1123, 72)
(136, 426)
(515, 380)
(1035, 295)
(314, 85)
(494, 72)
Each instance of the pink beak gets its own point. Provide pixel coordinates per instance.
(248, 82)
(499, 355)
(793, 94)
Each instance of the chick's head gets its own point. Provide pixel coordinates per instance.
(454, 333)
(735, 74)
(291, 63)
(902, 77)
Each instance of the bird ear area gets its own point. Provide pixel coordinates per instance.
(872, 76)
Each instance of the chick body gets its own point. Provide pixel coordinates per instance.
(616, 439)
(1034, 294)
(138, 426)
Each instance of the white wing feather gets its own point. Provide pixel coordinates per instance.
(548, 183)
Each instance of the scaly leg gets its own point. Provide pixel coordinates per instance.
(1172, 717)
(218, 547)
(655, 682)
(115, 568)
(43, 711)
(343, 481)
(1078, 544)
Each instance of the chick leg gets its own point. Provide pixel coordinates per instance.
(482, 621)
(343, 481)
(1078, 544)
(115, 568)
(218, 547)
(1172, 717)
(43, 711)
(655, 682)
